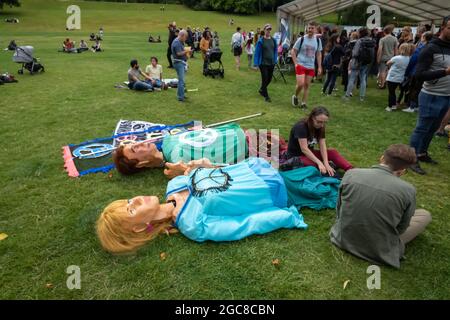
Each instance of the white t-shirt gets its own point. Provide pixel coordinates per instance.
(250, 50)
(154, 72)
(237, 38)
(397, 71)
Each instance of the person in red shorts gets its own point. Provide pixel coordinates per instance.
(304, 54)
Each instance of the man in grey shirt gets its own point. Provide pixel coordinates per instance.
(387, 48)
(376, 210)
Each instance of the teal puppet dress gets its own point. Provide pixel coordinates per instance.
(224, 144)
(234, 202)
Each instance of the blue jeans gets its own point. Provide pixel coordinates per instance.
(157, 84)
(432, 110)
(140, 86)
(362, 73)
(180, 68)
(331, 81)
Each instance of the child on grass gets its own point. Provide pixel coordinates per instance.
(396, 73)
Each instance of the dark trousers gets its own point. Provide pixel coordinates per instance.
(169, 56)
(266, 78)
(345, 76)
(432, 110)
(331, 81)
(392, 86)
(414, 90)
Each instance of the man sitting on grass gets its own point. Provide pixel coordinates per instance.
(376, 210)
(134, 81)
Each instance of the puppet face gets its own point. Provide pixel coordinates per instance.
(142, 152)
(143, 210)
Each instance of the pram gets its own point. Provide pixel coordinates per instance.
(214, 56)
(24, 55)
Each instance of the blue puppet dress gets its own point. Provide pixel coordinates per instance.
(234, 202)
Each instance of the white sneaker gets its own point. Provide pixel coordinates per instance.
(409, 110)
(394, 108)
(388, 109)
(157, 89)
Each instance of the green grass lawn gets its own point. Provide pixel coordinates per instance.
(50, 218)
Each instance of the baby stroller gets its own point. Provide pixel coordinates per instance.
(24, 55)
(214, 56)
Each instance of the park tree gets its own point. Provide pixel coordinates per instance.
(10, 3)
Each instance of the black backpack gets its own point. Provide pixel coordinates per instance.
(366, 54)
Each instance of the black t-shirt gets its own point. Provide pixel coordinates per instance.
(301, 131)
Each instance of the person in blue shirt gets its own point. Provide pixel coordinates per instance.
(207, 203)
(179, 57)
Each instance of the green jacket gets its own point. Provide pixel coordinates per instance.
(374, 207)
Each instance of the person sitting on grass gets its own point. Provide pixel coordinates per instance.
(69, 46)
(376, 210)
(83, 46)
(206, 203)
(134, 81)
(154, 71)
(306, 134)
(96, 47)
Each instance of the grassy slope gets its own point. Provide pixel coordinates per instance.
(50, 218)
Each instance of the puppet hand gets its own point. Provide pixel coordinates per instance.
(202, 163)
(175, 169)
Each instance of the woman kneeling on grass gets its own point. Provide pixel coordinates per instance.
(207, 203)
(311, 131)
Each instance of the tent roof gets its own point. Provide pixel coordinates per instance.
(420, 10)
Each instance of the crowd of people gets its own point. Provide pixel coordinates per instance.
(414, 69)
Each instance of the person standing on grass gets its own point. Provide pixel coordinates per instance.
(415, 86)
(180, 56)
(376, 210)
(205, 45)
(348, 49)
(306, 51)
(387, 48)
(250, 50)
(333, 62)
(306, 134)
(397, 67)
(172, 36)
(266, 56)
(237, 41)
(433, 67)
(363, 56)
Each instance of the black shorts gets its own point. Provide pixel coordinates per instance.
(237, 51)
